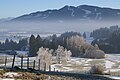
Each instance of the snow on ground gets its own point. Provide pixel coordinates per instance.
(113, 57)
(11, 74)
(67, 69)
(116, 78)
(77, 64)
(60, 67)
(109, 64)
(56, 67)
(114, 70)
(87, 11)
(88, 60)
(87, 65)
(75, 61)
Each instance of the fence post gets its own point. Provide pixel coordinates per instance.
(13, 62)
(21, 62)
(34, 64)
(39, 64)
(27, 62)
(5, 61)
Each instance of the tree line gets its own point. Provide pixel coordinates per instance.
(111, 43)
(50, 42)
(72, 41)
(13, 45)
(103, 33)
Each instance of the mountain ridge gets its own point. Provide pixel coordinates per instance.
(82, 12)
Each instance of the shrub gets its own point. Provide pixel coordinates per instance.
(97, 69)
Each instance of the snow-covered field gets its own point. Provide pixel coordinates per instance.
(111, 63)
(77, 65)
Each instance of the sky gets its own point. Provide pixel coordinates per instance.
(15, 8)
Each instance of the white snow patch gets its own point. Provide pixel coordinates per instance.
(113, 57)
(45, 16)
(67, 69)
(114, 70)
(11, 74)
(74, 59)
(88, 60)
(72, 14)
(55, 66)
(116, 78)
(87, 11)
(109, 64)
(98, 16)
(78, 63)
(86, 64)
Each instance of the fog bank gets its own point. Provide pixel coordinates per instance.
(57, 26)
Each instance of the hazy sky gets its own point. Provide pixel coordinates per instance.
(14, 8)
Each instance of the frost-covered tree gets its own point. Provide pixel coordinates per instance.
(67, 55)
(59, 54)
(75, 41)
(45, 56)
(75, 44)
(80, 48)
(95, 54)
(62, 54)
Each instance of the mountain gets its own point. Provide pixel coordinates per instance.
(82, 12)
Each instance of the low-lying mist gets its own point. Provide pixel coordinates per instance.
(56, 26)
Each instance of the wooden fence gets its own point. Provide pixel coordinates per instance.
(33, 64)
